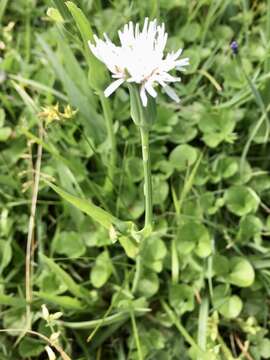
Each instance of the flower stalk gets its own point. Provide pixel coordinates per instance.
(147, 177)
(143, 117)
(140, 63)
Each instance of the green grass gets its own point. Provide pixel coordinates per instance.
(203, 283)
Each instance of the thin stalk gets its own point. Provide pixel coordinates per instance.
(112, 142)
(178, 203)
(136, 336)
(175, 319)
(138, 272)
(147, 177)
(109, 320)
(148, 201)
(30, 236)
(226, 351)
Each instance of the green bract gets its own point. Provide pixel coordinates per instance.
(142, 116)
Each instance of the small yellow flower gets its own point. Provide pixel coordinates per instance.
(53, 113)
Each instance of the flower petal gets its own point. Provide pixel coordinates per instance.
(171, 93)
(112, 87)
(149, 88)
(143, 96)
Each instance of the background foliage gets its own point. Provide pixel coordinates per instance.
(204, 293)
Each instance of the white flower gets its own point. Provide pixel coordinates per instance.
(140, 59)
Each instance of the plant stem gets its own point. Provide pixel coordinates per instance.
(138, 272)
(175, 319)
(148, 201)
(112, 142)
(30, 235)
(136, 336)
(147, 177)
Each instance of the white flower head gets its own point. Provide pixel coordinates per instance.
(140, 59)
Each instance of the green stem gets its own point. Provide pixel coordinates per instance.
(136, 336)
(148, 202)
(175, 319)
(147, 177)
(112, 142)
(138, 272)
(105, 321)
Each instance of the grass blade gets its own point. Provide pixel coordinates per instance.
(96, 213)
(74, 288)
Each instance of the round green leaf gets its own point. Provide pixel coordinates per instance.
(135, 168)
(228, 305)
(193, 235)
(190, 31)
(148, 284)
(241, 200)
(265, 348)
(69, 243)
(217, 126)
(102, 270)
(153, 253)
(49, 282)
(250, 226)
(181, 298)
(221, 265)
(194, 59)
(160, 190)
(5, 133)
(5, 253)
(225, 167)
(231, 307)
(243, 174)
(30, 348)
(183, 156)
(242, 273)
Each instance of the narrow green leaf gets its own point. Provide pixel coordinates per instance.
(11, 301)
(3, 6)
(38, 86)
(97, 72)
(25, 97)
(74, 288)
(66, 302)
(95, 212)
(108, 320)
(92, 122)
(81, 21)
(203, 323)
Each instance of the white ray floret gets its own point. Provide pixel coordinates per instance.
(140, 59)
